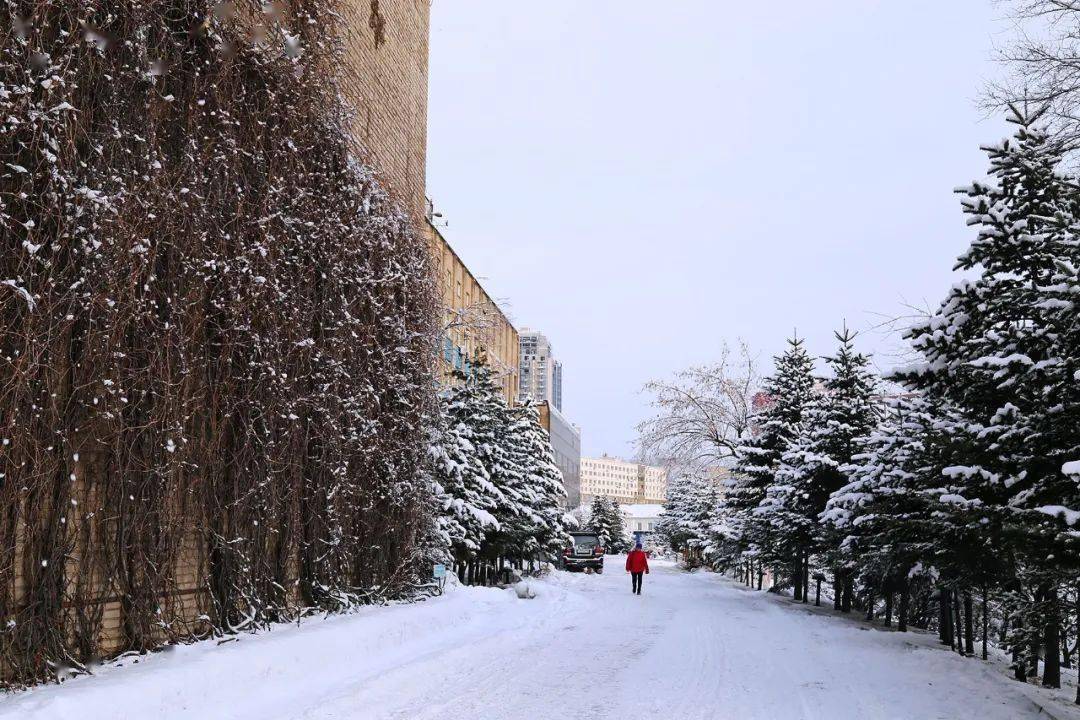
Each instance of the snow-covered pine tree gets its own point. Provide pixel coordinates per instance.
(810, 469)
(883, 519)
(500, 489)
(787, 392)
(485, 419)
(600, 520)
(672, 525)
(606, 520)
(691, 514)
(464, 494)
(541, 528)
(620, 541)
(701, 514)
(579, 517)
(997, 350)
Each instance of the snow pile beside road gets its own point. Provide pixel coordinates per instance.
(282, 672)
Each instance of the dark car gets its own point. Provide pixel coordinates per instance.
(585, 552)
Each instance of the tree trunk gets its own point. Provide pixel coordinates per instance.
(969, 625)
(1034, 650)
(760, 575)
(905, 600)
(806, 577)
(944, 618)
(870, 607)
(797, 579)
(888, 608)
(1077, 698)
(1019, 662)
(985, 623)
(1035, 641)
(1066, 651)
(837, 584)
(1051, 640)
(958, 622)
(817, 593)
(849, 590)
(1019, 666)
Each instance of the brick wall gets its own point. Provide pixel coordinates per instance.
(386, 79)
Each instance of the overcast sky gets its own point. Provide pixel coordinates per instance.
(645, 180)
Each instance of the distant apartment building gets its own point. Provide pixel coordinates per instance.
(609, 477)
(540, 374)
(473, 323)
(566, 444)
(652, 484)
(627, 482)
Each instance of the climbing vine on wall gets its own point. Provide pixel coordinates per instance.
(215, 331)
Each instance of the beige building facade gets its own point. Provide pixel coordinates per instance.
(652, 484)
(473, 323)
(627, 482)
(384, 77)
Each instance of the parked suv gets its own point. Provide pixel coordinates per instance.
(584, 552)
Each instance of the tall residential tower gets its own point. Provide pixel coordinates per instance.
(540, 374)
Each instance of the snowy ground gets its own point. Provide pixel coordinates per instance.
(692, 646)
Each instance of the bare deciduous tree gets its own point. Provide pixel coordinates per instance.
(1043, 65)
(703, 412)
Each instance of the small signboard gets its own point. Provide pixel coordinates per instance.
(439, 573)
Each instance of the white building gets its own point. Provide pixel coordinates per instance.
(642, 517)
(608, 477)
(652, 484)
(539, 373)
(565, 440)
(626, 482)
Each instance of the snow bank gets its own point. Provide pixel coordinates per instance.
(282, 672)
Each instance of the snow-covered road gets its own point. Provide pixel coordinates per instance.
(692, 646)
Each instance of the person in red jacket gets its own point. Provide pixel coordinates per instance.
(637, 564)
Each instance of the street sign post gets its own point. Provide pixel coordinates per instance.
(439, 573)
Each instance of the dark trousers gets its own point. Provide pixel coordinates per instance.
(635, 582)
